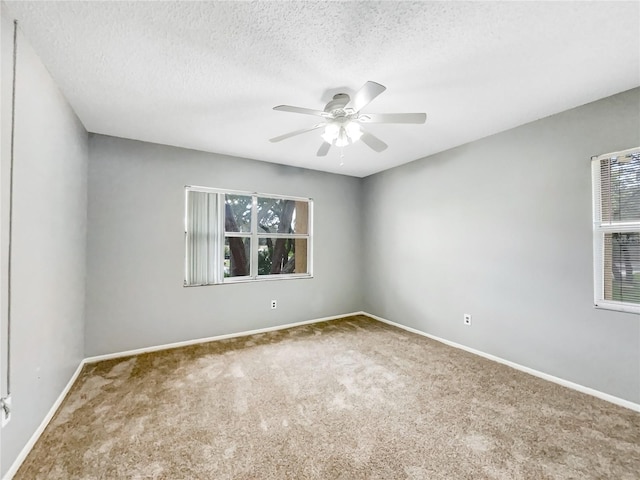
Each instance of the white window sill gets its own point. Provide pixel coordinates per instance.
(618, 307)
(261, 278)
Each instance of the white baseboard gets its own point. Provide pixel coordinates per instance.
(138, 351)
(45, 421)
(560, 381)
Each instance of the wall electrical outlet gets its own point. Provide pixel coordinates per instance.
(467, 319)
(274, 304)
(5, 410)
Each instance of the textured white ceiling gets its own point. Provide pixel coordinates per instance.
(205, 75)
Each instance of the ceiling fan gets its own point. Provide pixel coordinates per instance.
(342, 120)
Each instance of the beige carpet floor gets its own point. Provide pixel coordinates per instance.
(347, 399)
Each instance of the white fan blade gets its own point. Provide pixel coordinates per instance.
(373, 142)
(392, 118)
(305, 111)
(324, 149)
(297, 132)
(365, 95)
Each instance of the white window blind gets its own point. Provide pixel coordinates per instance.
(616, 230)
(203, 238)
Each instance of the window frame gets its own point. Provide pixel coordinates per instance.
(254, 235)
(600, 229)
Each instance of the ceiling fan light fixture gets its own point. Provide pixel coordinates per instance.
(342, 135)
(343, 139)
(331, 132)
(353, 131)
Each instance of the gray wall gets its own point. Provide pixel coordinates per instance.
(135, 293)
(501, 228)
(49, 238)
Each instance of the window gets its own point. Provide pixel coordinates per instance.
(616, 230)
(233, 236)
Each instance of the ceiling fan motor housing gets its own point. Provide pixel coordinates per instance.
(336, 106)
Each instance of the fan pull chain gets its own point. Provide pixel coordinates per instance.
(341, 156)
